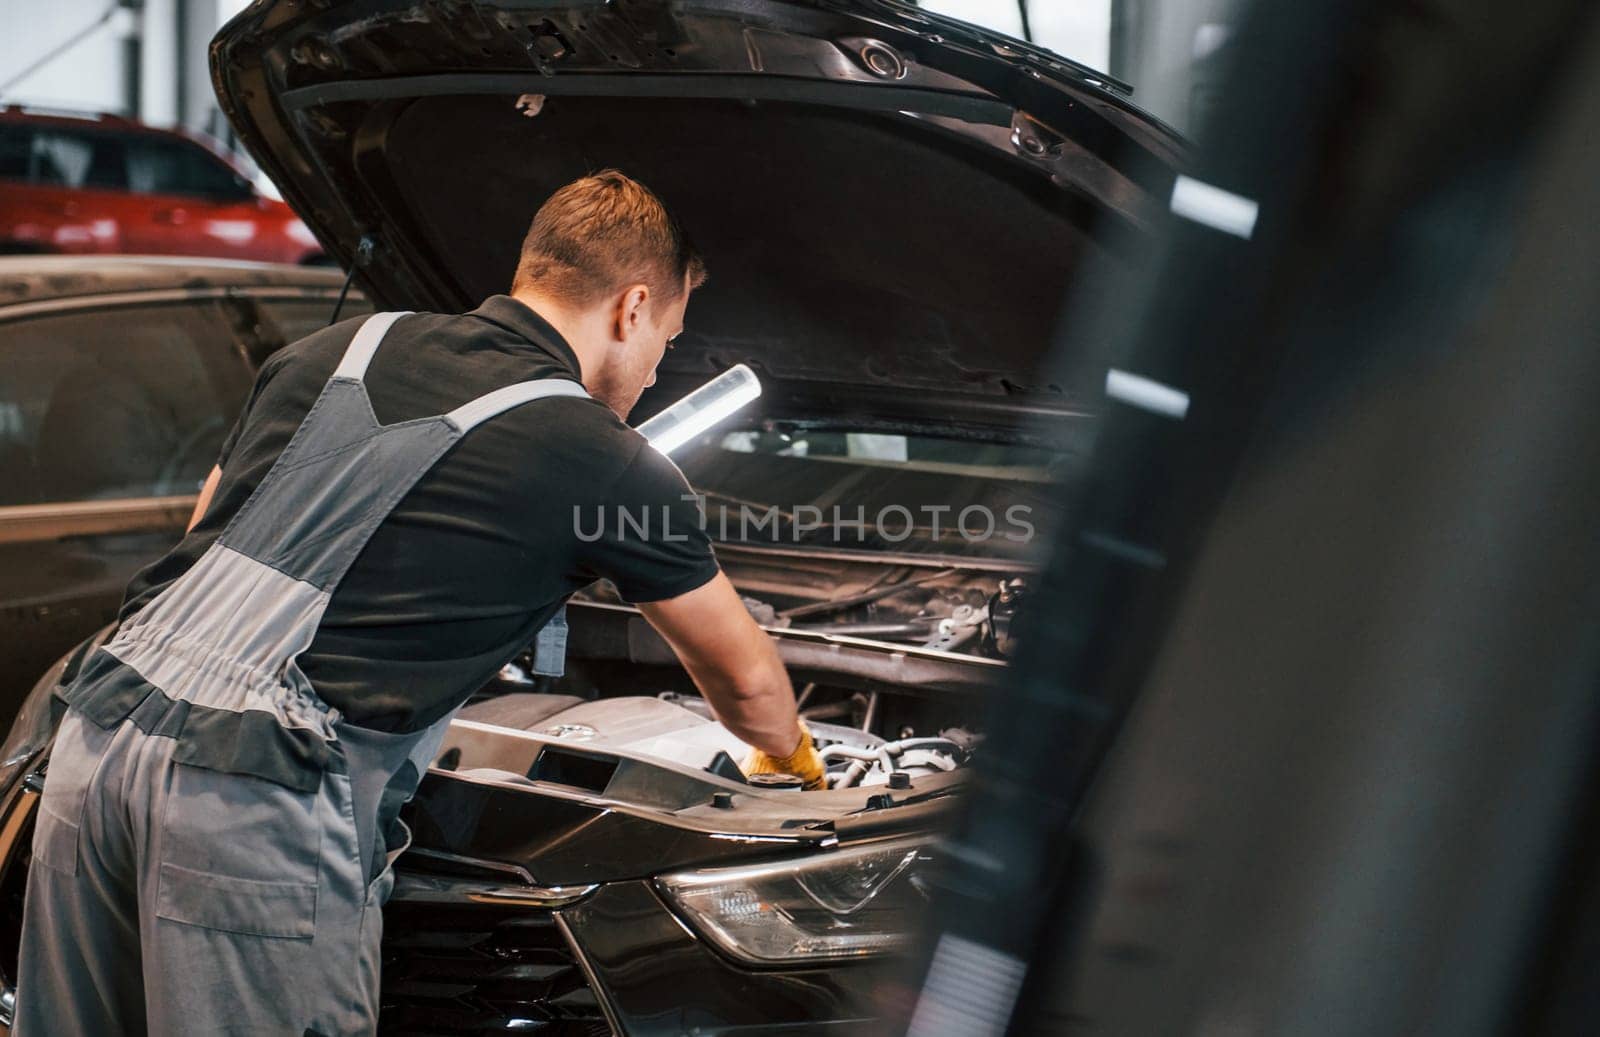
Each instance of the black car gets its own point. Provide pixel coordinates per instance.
(119, 376)
(892, 206)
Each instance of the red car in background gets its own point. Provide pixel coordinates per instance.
(102, 183)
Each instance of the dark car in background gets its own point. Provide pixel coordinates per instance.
(892, 206)
(118, 379)
(1315, 751)
(88, 183)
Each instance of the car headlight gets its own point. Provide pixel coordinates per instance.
(837, 905)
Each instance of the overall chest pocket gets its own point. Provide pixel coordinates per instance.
(240, 854)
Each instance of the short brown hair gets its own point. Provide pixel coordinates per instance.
(598, 234)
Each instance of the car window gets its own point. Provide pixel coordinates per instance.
(16, 143)
(62, 158)
(294, 319)
(116, 403)
(160, 165)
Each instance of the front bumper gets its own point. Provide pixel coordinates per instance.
(461, 956)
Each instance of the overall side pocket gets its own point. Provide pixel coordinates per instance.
(75, 759)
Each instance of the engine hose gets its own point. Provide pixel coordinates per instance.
(852, 775)
(884, 755)
(849, 752)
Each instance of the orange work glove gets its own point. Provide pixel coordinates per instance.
(804, 763)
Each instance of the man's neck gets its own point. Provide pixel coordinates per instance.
(575, 327)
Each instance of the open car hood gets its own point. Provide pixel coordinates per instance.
(886, 198)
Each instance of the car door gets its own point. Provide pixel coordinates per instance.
(192, 203)
(110, 419)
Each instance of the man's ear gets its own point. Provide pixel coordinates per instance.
(630, 312)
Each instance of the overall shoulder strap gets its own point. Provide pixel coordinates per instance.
(474, 413)
(365, 344)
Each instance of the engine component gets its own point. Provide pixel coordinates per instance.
(852, 766)
(774, 781)
(962, 625)
(1002, 612)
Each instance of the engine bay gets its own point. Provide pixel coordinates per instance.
(682, 729)
(885, 716)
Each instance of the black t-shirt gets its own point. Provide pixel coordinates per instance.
(487, 545)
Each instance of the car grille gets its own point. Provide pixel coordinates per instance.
(482, 969)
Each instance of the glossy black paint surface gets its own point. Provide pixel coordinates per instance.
(567, 841)
(287, 74)
(1030, 160)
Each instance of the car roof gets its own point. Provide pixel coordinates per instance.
(68, 117)
(35, 278)
(75, 120)
(111, 123)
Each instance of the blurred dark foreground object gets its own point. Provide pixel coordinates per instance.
(1309, 745)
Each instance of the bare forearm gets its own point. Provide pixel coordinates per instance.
(759, 708)
(733, 663)
(203, 502)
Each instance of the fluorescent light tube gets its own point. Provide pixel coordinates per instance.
(709, 405)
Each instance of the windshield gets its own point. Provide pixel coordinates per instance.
(867, 490)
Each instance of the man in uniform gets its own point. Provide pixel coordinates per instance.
(392, 520)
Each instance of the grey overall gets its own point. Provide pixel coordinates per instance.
(214, 843)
